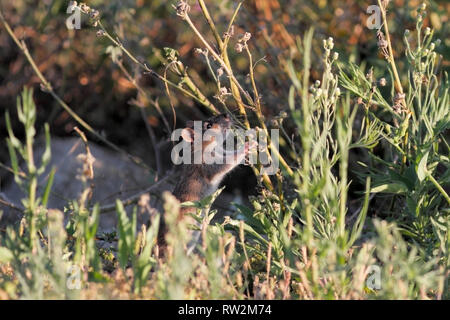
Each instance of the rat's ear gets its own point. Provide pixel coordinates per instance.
(188, 134)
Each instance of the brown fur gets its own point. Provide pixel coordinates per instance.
(197, 181)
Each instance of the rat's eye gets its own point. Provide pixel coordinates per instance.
(208, 126)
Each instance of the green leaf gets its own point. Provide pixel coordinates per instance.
(114, 52)
(248, 231)
(97, 277)
(48, 187)
(14, 162)
(410, 177)
(421, 168)
(171, 54)
(395, 188)
(46, 156)
(249, 218)
(293, 75)
(291, 98)
(204, 203)
(358, 226)
(93, 222)
(125, 246)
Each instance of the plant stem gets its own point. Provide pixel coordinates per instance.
(439, 187)
(224, 54)
(306, 134)
(211, 23)
(397, 82)
(48, 87)
(197, 95)
(219, 59)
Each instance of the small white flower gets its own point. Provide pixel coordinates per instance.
(330, 43)
(246, 37)
(223, 91)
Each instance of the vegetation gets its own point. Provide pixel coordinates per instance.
(358, 210)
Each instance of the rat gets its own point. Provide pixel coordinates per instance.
(199, 180)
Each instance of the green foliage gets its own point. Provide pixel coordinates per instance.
(358, 210)
(26, 110)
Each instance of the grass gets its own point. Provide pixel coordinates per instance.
(358, 210)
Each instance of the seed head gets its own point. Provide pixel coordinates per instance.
(382, 44)
(385, 3)
(230, 33)
(219, 72)
(182, 9)
(246, 37)
(398, 107)
(238, 47)
(94, 14)
(84, 7)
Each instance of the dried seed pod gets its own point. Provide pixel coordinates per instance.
(182, 9)
(94, 14)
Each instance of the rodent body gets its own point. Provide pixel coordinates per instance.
(198, 181)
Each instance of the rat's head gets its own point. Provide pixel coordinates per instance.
(213, 127)
(219, 124)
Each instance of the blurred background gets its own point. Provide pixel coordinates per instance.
(79, 66)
